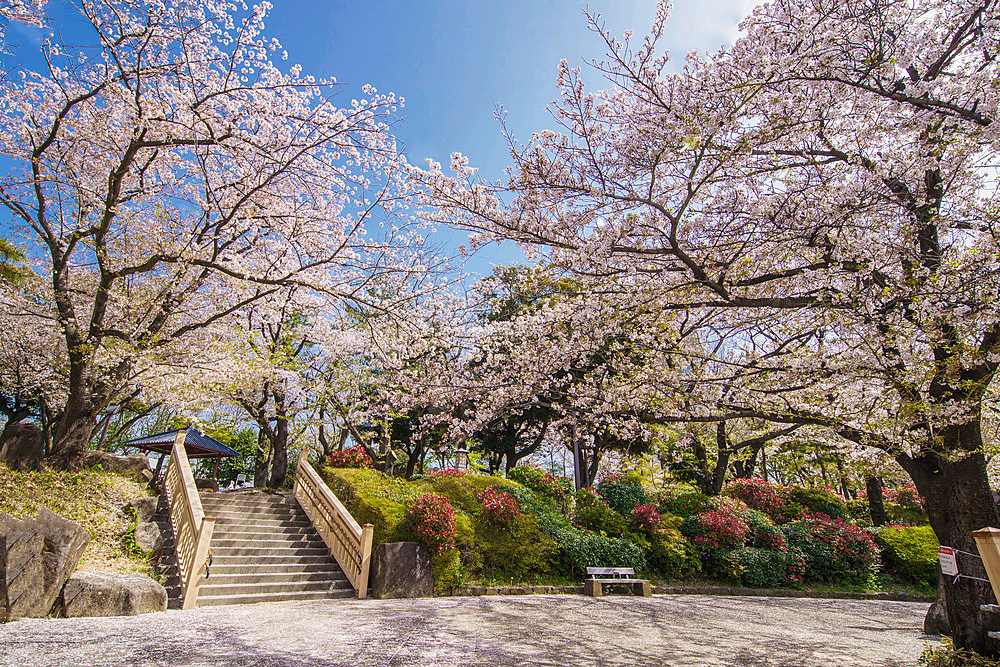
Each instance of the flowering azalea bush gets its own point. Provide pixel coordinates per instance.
(434, 521)
(758, 494)
(447, 472)
(352, 457)
(646, 517)
(500, 507)
(906, 495)
(833, 549)
(541, 482)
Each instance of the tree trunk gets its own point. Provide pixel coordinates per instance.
(279, 452)
(959, 501)
(876, 503)
(413, 456)
(73, 432)
(262, 459)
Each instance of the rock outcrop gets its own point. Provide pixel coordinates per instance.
(112, 594)
(37, 556)
(135, 466)
(23, 448)
(402, 570)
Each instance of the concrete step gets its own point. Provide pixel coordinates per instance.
(294, 542)
(213, 601)
(210, 589)
(249, 517)
(224, 561)
(226, 532)
(226, 568)
(275, 577)
(248, 523)
(267, 552)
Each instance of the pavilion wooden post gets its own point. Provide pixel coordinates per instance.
(988, 544)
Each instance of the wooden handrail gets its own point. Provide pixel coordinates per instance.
(192, 529)
(349, 543)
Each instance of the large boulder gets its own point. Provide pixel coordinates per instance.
(112, 594)
(402, 570)
(38, 557)
(143, 509)
(135, 466)
(22, 571)
(23, 447)
(936, 621)
(149, 539)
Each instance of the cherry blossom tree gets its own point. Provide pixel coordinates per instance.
(169, 174)
(830, 177)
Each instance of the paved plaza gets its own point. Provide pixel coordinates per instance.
(509, 630)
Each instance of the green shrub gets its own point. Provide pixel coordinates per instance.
(621, 493)
(372, 497)
(600, 518)
(582, 549)
(911, 553)
(550, 486)
(463, 490)
(758, 568)
(802, 500)
(670, 555)
(520, 552)
(906, 515)
(528, 500)
(859, 511)
(447, 567)
(686, 504)
(587, 498)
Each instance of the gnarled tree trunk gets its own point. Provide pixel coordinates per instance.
(959, 501)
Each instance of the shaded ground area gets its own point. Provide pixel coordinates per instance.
(538, 630)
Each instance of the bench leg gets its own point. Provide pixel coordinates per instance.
(594, 588)
(642, 588)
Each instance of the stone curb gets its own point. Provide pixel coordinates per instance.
(464, 591)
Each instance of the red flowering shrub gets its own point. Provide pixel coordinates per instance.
(795, 569)
(721, 529)
(541, 482)
(499, 506)
(352, 457)
(447, 472)
(434, 521)
(833, 549)
(646, 517)
(758, 494)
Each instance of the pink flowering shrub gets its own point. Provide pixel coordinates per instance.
(352, 457)
(500, 507)
(447, 472)
(434, 521)
(907, 496)
(646, 517)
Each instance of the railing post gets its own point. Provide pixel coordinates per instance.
(366, 559)
(988, 544)
(193, 583)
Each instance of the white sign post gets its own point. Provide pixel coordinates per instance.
(949, 564)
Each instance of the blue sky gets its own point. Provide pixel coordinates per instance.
(454, 61)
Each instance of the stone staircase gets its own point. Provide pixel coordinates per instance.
(264, 549)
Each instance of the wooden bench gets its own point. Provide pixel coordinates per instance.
(598, 576)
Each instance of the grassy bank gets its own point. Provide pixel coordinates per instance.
(94, 499)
